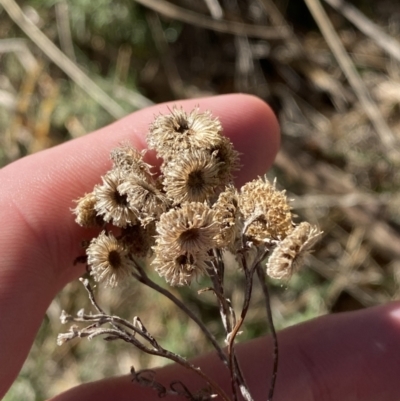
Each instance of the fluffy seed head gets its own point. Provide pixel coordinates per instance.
(180, 270)
(185, 235)
(86, 215)
(179, 131)
(190, 228)
(110, 203)
(289, 254)
(108, 260)
(191, 178)
(229, 160)
(144, 197)
(228, 216)
(130, 160)
(266, 211)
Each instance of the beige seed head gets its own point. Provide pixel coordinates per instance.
(180, 131)
(108, 260)
(289, 254)
(191, 178)
(144, 197)
(110, 203)
(179, 270)
(229, 217)
(185, 235)
(266, 211)
(188, 229)
(129, 159)
(229, 160)
(86, 215)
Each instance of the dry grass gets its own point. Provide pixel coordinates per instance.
(336, 95)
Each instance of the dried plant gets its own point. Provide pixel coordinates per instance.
(181, 223)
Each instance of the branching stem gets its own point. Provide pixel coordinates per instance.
(144, 278)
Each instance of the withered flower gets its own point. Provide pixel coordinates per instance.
(185, 235)
(190, 228)
(130, 160)
(289, 254)
(86, 214)
(144, 197)
(108, 260)
(229, 160)
(228, 216)
(266, 211)
(110, 203)
(191, 178)
(180, 270)
(179, 131)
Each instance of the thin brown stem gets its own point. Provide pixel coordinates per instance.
(144, 279)
(217, 277)
(173, 11)
(234, 363)
(275, 354)
(118, 332)
(156, 349)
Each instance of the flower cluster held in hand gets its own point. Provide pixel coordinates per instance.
(182, 217)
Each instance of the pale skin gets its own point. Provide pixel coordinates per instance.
(343, 357)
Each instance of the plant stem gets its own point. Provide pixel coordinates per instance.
(144, 278)
(275, 355)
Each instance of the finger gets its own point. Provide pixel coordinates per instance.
(38, 191)
(344, 357)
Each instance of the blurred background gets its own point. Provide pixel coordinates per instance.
(329, 69)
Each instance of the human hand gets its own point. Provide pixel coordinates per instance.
(340, 357)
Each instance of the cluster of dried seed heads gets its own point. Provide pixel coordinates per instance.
(179, 217)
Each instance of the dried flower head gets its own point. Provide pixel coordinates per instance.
(185, 235)
(190, 228)
(86, 214)
(266, 211)
(179, 131)
(144, 197)
(228, 216)
(110, 203)
(181, 269)
(191, 178)
(229, 160)
(289, 254)
(130, 160)
(108, 260)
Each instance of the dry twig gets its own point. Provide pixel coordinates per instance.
(190, 17)
(64, 29)
(171, 71)
(215, 9)
(348, 68)
(61, 60)
(367, 27)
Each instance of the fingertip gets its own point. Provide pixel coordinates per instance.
(255, 133)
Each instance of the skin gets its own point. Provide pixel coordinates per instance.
(351, 356)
